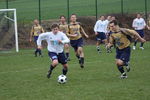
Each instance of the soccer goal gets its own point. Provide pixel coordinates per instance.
(8, 30)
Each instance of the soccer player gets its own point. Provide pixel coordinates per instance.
(55, 40)
(76, 40)
(121, 37)
(100, 32)
(139, 26)
(64, 28)
(36, 30)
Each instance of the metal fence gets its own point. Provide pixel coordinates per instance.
(28, 10)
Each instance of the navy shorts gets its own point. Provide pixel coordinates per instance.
(60, 57)
(36, 38)
(100, 36)
(76, 43)
(123, 54)
(140, 32)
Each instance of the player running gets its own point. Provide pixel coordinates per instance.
(76, 41)
(100, 32)
(64, 28)
(36, 30)
(55, 40)
(121, 37)
(139, 26)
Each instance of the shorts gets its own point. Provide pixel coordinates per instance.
(60, 57)
(123, 54)
(100, 36)
(76, 43)
(36, 38)
(140, 32)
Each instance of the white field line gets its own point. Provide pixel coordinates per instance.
(33, 69)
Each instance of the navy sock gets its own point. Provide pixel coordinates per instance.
(98, 48)
(67, 55)
(51, 68)
(121, 69)
(141, 44)
(82, 60)
(135, 43)
(65, 70)
(78, 56)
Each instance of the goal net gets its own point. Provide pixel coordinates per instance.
(8, 30)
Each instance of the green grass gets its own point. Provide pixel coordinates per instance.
(27, 10)
(23, 77)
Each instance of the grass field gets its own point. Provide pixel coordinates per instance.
(27, 10)
(23, 77)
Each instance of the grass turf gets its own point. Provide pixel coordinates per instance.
(23, 77)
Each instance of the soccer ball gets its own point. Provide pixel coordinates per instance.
(62, 79)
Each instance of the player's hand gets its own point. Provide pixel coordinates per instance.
(30, 40)
(60, 41)
(40, 47)
(96, 33)
(143, 40)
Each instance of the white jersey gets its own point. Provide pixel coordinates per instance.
(138, 24)
(107, 23)
(52, 41)
(100, 26)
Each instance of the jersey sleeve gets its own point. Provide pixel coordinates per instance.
(129, 32)
(42, 37)
(65, 39)
(111, 39)
(95, 27)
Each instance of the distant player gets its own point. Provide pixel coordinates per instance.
(121, 37)
(100, 30)
(64, 28)
(55, 40)
(36, 30)
(139, 26)
(76, 40)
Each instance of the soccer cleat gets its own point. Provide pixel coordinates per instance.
(49, 74)
(142, 48)
(123, 75)
(128, 68)
(68, 59)
(134, 47)
(82, 65)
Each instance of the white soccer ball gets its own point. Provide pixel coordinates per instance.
(62, 79)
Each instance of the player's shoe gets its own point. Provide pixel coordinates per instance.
(141, 48)
(128, 68)
(123, 76)
(82, 65)
(49, 74)
(134, 47)
(35, 54)
(68, 59)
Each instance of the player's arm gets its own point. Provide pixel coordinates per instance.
(82, 31)
(95, 28)
(31, 34)
(134, 34)
(134, 24)
(41, 38)
(111, 42)
(42, 30)
(64, 39)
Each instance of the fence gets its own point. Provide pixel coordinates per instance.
(27, 10)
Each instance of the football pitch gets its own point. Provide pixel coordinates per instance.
(23, 77)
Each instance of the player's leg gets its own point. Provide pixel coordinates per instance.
(141, 33)
(135, 42)
(67, 51)
(37, 50)
(98, 43)
(120, 63)
(54, 63)
(81, 53)
(63, 60)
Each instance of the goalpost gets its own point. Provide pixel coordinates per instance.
(14, 19)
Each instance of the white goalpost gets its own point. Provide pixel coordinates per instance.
(14, 19)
